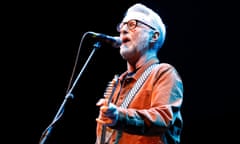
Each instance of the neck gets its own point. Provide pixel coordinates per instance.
(131, 67)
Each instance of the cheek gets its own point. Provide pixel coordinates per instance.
(138, 37)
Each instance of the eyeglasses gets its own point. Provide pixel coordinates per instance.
(132, 24)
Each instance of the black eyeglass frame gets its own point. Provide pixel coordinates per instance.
(120, 25)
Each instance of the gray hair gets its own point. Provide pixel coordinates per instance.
(154, 18)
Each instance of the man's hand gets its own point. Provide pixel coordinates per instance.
(108, 114)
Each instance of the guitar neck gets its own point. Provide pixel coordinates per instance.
(103, 135)
(108, 94)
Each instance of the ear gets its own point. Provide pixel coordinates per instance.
(155, 36)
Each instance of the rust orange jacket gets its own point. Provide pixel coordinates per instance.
(154, 114)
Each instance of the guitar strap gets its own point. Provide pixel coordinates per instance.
(131, 94)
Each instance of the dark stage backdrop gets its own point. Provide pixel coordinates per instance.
(43, 39)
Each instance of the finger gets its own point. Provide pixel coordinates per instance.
(104, 109)
(100, 121)
(104, 121)
(101, 102)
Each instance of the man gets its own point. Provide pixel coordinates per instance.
(146, 103)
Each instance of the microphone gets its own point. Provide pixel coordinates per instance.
(114, 41)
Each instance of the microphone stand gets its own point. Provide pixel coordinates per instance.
(48, 130)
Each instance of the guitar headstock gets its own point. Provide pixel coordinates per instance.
(111, 88)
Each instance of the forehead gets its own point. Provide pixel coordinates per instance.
(136, 15)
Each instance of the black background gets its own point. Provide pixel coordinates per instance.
(40, 45)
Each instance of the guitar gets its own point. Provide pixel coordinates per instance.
(108, 94)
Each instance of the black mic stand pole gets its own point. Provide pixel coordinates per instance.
(48, 130)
